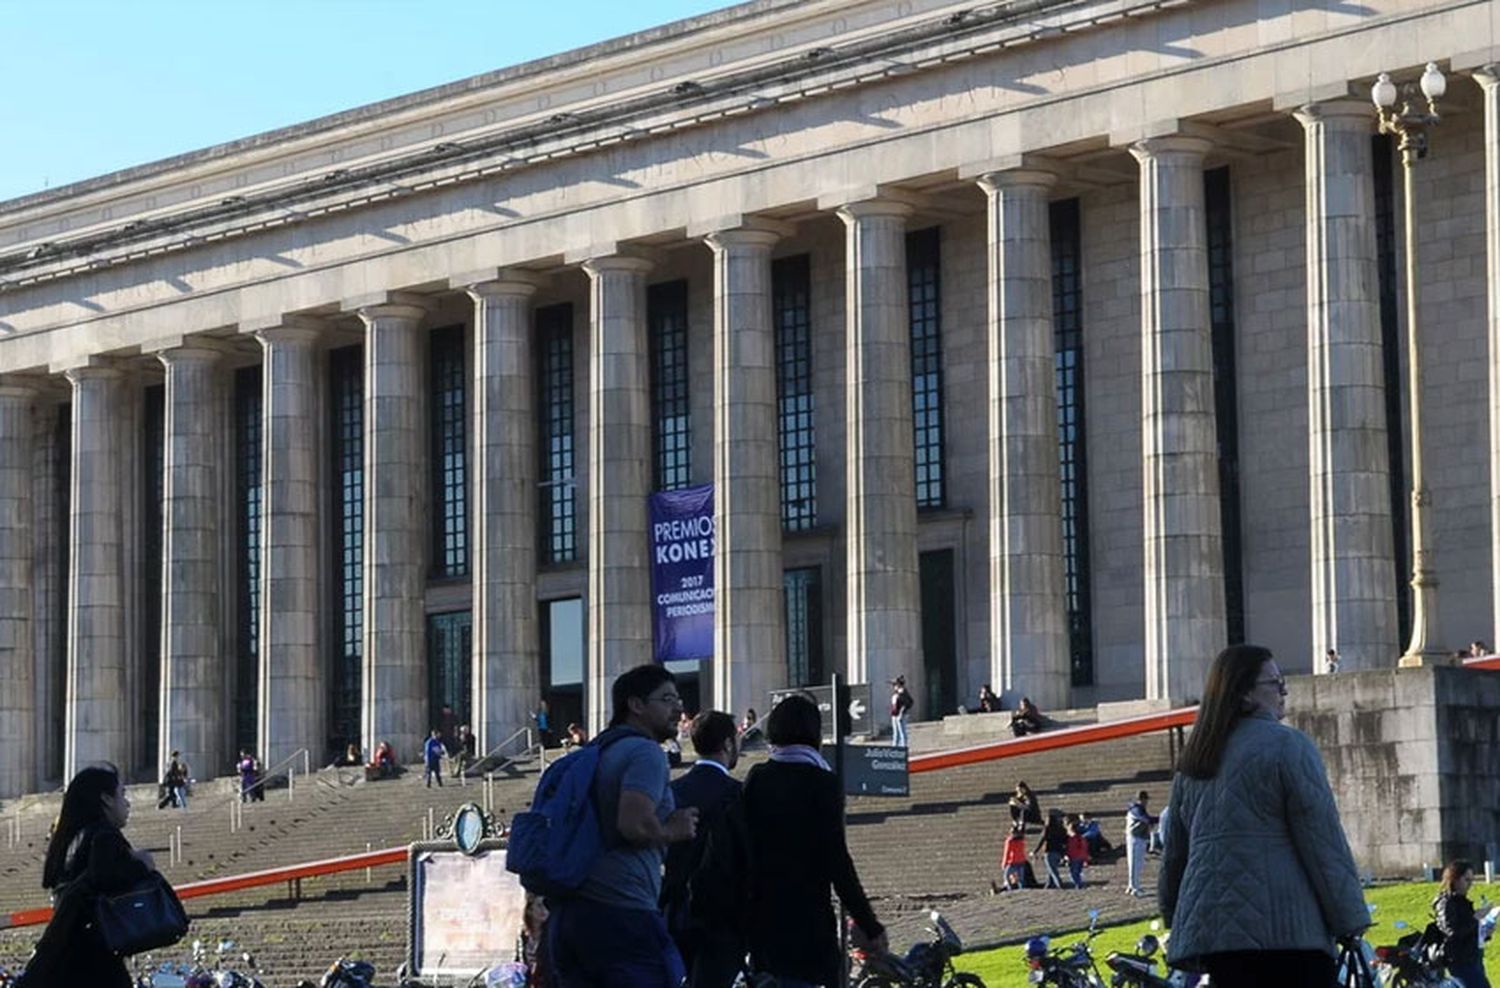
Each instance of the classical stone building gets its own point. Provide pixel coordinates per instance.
(1044, 344)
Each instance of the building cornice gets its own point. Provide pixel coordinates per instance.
(912, 36)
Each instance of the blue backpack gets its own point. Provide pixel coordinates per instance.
(554, 845)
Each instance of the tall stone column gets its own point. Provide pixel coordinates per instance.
(749, 615)
(1488, 78)
(1029, 651)
(292, 704)
(97, 714)
(1353, 583)
(192, 662)
(507, 654)
(1184, 565)
(18, 719)
(395, 686)
(619, 581)
(884, 597)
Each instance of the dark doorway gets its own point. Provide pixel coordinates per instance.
(562, 662)
(939, 651)
(803, 593)
(450, 663)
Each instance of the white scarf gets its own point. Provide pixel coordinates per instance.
(799, 754)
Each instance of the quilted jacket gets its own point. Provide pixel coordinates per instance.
(1255, 857)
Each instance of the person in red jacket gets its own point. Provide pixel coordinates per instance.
(1078, 850)
(1013, 860)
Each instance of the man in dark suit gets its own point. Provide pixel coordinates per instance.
(711, 790)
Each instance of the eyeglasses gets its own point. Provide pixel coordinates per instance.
(1280, 684)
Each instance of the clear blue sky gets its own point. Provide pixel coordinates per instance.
(93, 86)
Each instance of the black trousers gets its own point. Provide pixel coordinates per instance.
(1265, 968)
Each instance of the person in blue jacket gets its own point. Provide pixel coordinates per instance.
(432, 756)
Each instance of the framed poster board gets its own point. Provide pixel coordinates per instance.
(465, 910)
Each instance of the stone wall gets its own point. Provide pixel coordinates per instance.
(1413, 756)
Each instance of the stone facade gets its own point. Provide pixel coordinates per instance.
(705, 152)
(1414, 760)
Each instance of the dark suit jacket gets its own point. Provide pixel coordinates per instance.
(710, 792)
(795, 818)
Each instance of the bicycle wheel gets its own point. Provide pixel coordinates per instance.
(878, 981)
(963, 980)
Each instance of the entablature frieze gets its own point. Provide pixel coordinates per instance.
(914, 132)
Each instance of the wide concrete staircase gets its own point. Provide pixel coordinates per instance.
(938, 848)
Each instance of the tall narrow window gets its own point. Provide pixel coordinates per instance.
(791, 309)
(1067, 320)
(346, 392)
(449, 667)
(1226, 405)
(449, 454)
(666, 319)
(803, 590)
(153, 483)
(559, 514)
(1390, 352)
(247, 511)
(923, 283)
(562, 631)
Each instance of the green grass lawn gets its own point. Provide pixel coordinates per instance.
(1004, 968)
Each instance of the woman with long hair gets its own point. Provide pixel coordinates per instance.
(86, 855)
(1455, 917)
(794, 816)
(1257, 880)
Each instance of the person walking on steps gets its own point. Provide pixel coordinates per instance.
(901, 704)
(432, 757)
(1138, 824)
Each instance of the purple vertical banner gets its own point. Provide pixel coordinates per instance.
(682, 572)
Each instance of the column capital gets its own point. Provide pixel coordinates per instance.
(195, 352)
(1038, 179)
(627, 262)
(19, 386)
(733, 222)
(261, 325)
(389, 305)
(493, 282)
(94, 370)
(1351, 113)
(863, 209)
(1169, 144)
(1488, 76)
(743, 238)
(281, 335)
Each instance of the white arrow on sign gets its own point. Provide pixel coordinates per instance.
(856, 709)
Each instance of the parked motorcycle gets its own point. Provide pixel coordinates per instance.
(1412, 961)
(1065, 967)
(344, 973)
(200, 971)
(928, 964)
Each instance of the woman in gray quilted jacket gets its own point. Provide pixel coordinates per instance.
(1257, 881)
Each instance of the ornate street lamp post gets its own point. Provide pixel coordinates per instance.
(1409, 123)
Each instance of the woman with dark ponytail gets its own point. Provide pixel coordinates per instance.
(87, 855)
(1257, 880)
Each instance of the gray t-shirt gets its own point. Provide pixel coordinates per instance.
(627, 875)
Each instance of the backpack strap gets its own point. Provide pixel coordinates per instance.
(607, 828)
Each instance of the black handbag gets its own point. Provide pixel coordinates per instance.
(146, 917)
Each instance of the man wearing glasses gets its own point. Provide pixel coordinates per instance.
(610, 933)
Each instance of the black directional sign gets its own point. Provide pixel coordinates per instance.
(854, 712)
(875, 770)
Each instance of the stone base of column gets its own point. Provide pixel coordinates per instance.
(1422, 660)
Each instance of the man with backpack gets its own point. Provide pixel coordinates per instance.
(599, 860)
(714, 956)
